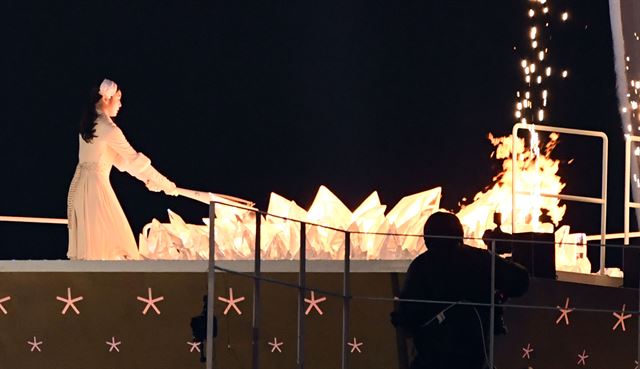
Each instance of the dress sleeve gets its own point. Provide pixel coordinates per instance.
(127, 158)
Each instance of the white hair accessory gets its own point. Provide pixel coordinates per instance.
(108, 88)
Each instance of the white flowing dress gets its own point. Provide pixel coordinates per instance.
(98, 228)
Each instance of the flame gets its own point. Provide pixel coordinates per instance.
(536, 174)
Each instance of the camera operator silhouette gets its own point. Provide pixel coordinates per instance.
(451, 335)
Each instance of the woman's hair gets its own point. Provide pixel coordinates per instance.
(88, 120)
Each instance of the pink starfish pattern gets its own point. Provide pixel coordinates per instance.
(527, 351)
(565, 312)
(583, 358)
(4, 299)
(151, 302)
(231, 302)
(70, 302)
(275, 345)
(113, 345)
(355, 345)
(621, 318)
(313, 303)
(194, 346)
(35, 345)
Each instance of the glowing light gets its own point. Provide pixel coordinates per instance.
(527, 70)
(638, 84)
(533, 68)
(519, 106)
(637, 153)
(544, 94)
(545, 10)
(533, 33)
(565, 16)
(548, 71)
(534, 44)
(518, 114)
(526, 95)
(634, 105)
(624, 109)
(531, 13)
(537, 173)
(541, 55)
(528, 79)
(524, 63)
(540, 115)
(565, 74)
(539, 79)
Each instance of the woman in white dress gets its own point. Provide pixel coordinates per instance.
(98, 228)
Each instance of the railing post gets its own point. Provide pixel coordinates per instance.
(346, 291)
(627, 189)
(301, 293)
(603, 209)
(493, 303)
(256, 296)
(210, 283)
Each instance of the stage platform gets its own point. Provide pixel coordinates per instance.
(112, 308)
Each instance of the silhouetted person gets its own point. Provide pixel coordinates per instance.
(449, 335)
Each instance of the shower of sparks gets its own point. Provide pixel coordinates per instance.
(532, 108)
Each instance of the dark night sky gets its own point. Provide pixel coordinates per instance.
(249, 98)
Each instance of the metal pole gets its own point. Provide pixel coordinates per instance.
(256, 296)
(210, 283)
(603, 210)
(514, 135)
(301, 293)
(493, 302)
(627, 190)
(346, 291)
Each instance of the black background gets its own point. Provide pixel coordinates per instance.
(249, 98)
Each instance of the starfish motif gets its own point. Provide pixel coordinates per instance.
(621, 318)
(527, 351)
(565, 312)
(151, 302)
(231, 302)
(583, 358)
(35, 345)
(275, 345)
(313, 303)
(113, 345)
(70, 303)
(4, 299)
(355, 346)
(194, 346)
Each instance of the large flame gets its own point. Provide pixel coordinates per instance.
(537, 179)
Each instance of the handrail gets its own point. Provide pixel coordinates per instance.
(603, 197)
(17, 219)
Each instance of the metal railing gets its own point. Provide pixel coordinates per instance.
(346, 293)
(602, 200)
